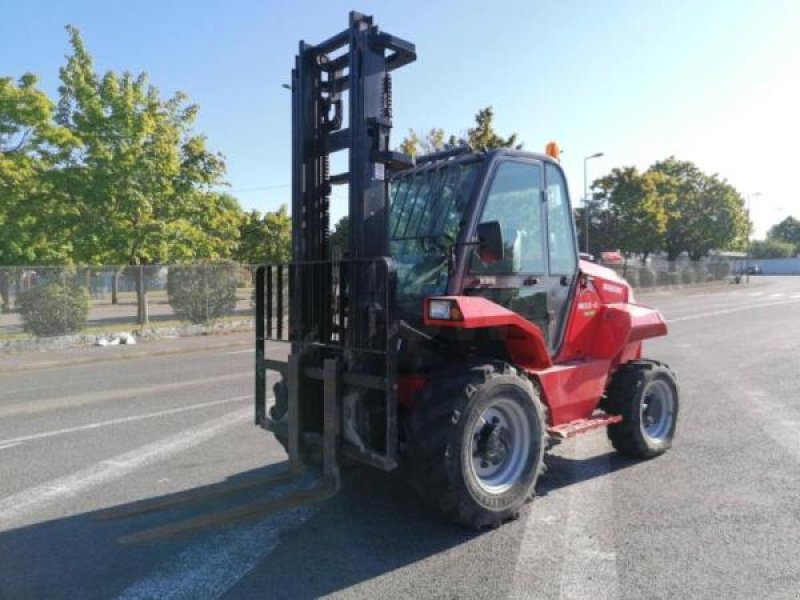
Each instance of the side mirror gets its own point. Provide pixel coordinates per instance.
(490, 242)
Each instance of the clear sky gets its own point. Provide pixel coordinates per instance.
(715, 82)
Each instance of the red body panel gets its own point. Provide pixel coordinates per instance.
(604, 329)
(524, 340)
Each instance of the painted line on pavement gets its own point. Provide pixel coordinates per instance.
(248, 351)
(211, 567)
(99, 424)
(18, 508)
(37, 406)
(589, 567)
(726, 311)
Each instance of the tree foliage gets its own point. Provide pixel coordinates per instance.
(673, 206)
(787, 231)
(482, 136)
(340, 236)
(139, 183)
(772, 248)
(266, 239)
(635, 207)
(30, 146)
(704, 212)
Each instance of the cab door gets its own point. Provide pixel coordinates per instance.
(520, 282)
(562, 253)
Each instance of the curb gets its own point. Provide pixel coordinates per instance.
(4, 370)
(66, 342)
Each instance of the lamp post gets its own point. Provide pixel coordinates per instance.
(586, 200)
(749, 222)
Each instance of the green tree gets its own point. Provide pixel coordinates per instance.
(787, 230)
(30, 144)
(772, 248)
(703, 211)
(266, 239)
(31, 227)
(636, 207)
(140, 184)
(483, 136)
(340, 236)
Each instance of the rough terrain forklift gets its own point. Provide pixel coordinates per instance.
(460, 334)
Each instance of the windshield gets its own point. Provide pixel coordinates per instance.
(427, 209)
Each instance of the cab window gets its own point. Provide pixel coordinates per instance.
(514, 200)
(562, 253)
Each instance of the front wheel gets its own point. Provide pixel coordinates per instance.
(645, 394)
(476, 442)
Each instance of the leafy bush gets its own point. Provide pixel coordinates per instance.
(632, 276)
(673, 278)
(53, 309)
(688, 276)
(647, 277)
(204, 292)
(663, 278)
(719, 270)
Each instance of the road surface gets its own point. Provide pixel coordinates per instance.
(716, 517)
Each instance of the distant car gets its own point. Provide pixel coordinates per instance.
(754, 270)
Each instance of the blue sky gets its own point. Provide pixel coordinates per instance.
(713, 82)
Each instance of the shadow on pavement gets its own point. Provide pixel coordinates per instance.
(374, 526)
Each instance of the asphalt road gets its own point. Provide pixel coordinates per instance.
(716, 517)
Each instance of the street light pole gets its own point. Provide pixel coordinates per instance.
(749, 223)
(586, 200)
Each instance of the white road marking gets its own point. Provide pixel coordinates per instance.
(209, 568)
(9, 445)
(756, 294)
(795, 296)
(580, 515)
(773, 419)
(589, 567)
(37, 406)
(18, 508)
(726, 311)
(777, 295)
(248, 351)
(152, 415)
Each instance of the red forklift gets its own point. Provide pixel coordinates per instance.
(460, 335)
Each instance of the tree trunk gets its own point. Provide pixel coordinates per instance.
(142, 316)
(115, 286)
(5, 289)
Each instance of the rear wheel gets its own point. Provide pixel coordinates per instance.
(645, 394)
(476, 442)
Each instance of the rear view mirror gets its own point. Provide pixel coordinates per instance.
(490, 242)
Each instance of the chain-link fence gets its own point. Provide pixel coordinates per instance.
(52, 301)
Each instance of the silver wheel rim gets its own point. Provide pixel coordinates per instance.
(657, 411)
(499, 445)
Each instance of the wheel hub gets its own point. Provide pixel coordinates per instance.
(501, 441)
(494, 444)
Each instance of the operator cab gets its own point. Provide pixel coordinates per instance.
(520, 200)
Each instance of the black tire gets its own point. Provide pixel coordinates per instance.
(634, 384)
(442, 434)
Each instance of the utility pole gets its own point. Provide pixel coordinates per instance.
(586, 200)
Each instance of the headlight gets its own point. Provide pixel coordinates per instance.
(439, 309)
(444, 310)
